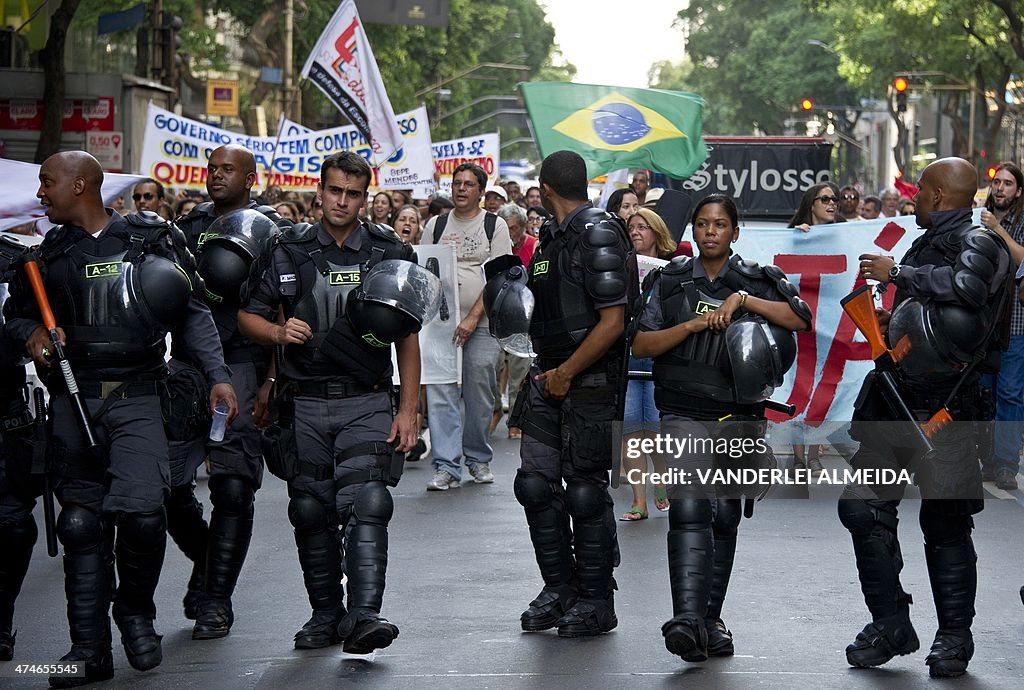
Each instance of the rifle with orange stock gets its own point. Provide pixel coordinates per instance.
(860, 307)
(77, 399)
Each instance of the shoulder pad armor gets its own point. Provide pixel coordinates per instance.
(198, 211)
(11, 251)
(271, 213)
(146, 219)
(750, 269)
(385, 232)
(977, 266)
(605, 259)
(678, 266)
(300, 232)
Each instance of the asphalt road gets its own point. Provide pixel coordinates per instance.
(462, 570)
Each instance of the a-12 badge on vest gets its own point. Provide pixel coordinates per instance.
(103, 270)
(704, 307)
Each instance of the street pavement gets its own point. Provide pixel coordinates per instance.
(462, 571)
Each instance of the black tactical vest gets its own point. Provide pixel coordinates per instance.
(564, 313)
(86, 287)
(320, 300)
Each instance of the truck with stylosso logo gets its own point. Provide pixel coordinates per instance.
(765, 175)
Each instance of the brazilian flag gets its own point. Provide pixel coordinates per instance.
(614, 128)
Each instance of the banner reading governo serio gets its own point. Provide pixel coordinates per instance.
(176, 149)
(484, 150)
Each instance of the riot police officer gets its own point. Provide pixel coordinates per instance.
(719, 330)
(115, 347)
(336, 435)
(18, 530)
(582, 278)
(230, 244)
(951, 294)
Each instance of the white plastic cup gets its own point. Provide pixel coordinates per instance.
(220, 422)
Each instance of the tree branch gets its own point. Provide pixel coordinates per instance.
(1012, 11)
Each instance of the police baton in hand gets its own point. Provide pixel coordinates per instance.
(77, 399)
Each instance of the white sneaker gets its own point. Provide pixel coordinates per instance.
(442, 481)
(482, 473)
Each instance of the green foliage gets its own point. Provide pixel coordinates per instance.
(752, 63)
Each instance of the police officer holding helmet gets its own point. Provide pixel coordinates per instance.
(956, 274)
(720, 331)
(337, 439)
(116, 350)
(231, 238)
(582, 278)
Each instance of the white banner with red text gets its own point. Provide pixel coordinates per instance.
(484, 150)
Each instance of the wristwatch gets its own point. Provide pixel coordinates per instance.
(894, 273)
(743, 297)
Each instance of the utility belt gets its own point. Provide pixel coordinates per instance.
(704, 409)
(116, 390)
(280, 451)
(244, 354)
(971, 403)
(334, 390)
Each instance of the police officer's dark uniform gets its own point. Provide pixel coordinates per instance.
(218, 550)
(953, 265)
(339, 392)
(695, 391)
(582, 265)
(18, 489)
(116, 348)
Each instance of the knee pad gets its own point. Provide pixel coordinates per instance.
(690, 514)
(373, 504)
(584, 500)
(941, 529)
(79, 528)
(306, 514)
(142, 528)
(533, 491)
(727, 516)
(231, 494)
(855, 514)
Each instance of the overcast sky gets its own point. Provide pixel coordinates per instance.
(614, 42)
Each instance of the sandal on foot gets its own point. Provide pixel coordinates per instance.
(632, 515)
(661, 499)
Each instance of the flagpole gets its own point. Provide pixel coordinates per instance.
(289, 25)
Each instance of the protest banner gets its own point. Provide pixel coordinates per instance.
(484, 150)
(176, 149)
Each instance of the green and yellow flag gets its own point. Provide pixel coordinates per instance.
(615, 128)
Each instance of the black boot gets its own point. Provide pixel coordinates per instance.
(88, 584)
(16, 542)
(188, 529)
(141, 543)
(954, 577)
(320, 559)
(230, 534)
(593, 524)
(366, 563)
(552, 545)
(690, 568)
(872, 526)
(727, 518)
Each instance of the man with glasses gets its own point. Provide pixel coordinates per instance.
(478, 237)
(849, 202)
(148, 195)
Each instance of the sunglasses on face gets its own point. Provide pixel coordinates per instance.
(148, 196)
(826, 200)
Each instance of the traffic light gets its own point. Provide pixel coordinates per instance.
(807, 104)
(899, 85)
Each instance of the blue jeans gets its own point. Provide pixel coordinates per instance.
(1009, 396)
(454, 434)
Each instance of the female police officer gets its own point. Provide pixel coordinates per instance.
(690, 306)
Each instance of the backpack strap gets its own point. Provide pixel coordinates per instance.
(490, 223)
